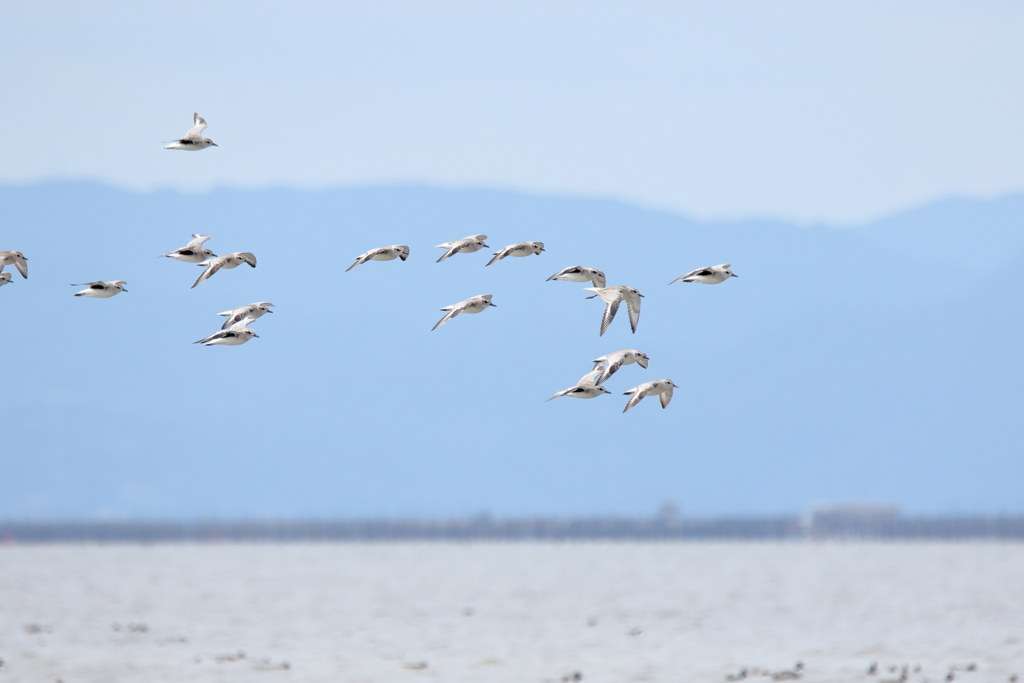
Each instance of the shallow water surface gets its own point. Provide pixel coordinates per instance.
(518, 612)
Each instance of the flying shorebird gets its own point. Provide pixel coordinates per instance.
(661, 387)
(473, 304)
(228, 261)
(466, 245)
(612, 297)
(239, 314)
(520, 249)
(382, 254)
(192, 140)
(193, 252)
(233, 336)
(589, 386)
(711, 275)
(611, 363)
(101, 289)
(5, 278)
(580, 274)
(16, 259)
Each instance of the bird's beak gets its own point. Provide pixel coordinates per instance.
(495, 305)
(269, 311)
(675, 385)
(124, 290)
(255, 336)
(215, 144)
(641, 295)
(735, 275)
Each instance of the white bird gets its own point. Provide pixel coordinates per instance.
(193, 252)
(5, 278)
(382, 254)
(589, 386)
(233, 336)
(580, 274)
(192, 140)
(520, 249)
(16, 259)
(612, 297)
(228, 261)
(611, 363)
(101, 289)
(711, 275)
(661, 387)
(466, 245)
(253, 311)
(473, 304)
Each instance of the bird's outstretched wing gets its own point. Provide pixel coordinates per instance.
(453, 250)
(610, 309)
(666, 397)
(22, 265)
(498, 255)
(242, 324)
(633, 306)
(211, 268)
(225, 334)
(236, 315)
(363, 258)
(564, 271)
(198, 126)
(592, 378)
(453, 311)
(614, 362)
(197, 242)
(447, 316)
(638, 394)
(699, 271)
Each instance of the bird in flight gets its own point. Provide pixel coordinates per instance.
(192, 141)
(711, 275)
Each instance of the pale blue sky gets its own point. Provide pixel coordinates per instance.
(838, 111)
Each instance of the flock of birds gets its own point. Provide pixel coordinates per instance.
(904, 673)
(235, 330)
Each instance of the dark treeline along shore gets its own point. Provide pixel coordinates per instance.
(824, 525)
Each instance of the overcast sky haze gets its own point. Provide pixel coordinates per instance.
(837, 112)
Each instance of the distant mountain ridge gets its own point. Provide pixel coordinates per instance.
(879, 362)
